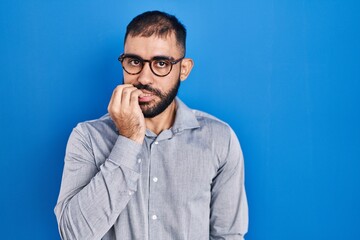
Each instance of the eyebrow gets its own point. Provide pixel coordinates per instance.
(160, 57)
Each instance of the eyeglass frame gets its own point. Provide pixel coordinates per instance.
(143, 61)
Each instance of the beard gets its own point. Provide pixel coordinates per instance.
(166, 99)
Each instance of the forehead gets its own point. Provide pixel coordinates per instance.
(148, 47)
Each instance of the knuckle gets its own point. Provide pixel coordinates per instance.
(118, 89)
(134, 95)
(125, 91)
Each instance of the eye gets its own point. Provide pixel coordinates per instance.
(161, 63)
(133, 62)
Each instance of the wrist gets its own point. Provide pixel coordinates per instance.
(138, 139)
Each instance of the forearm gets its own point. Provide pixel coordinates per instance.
(90, 201)
(228, 208)
(92, 211)
(229, 214)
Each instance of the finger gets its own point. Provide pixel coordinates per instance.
(134, 99)
(126, 95)
(115, 101)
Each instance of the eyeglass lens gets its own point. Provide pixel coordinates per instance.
(160, 67)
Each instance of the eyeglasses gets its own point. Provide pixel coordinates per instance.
(160, 66)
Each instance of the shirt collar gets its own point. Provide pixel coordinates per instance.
(185, 117)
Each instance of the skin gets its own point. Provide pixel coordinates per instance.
(124, 107)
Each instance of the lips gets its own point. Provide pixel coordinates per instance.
(146, 96)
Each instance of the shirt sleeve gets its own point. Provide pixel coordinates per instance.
(90, 199)
(228, 208)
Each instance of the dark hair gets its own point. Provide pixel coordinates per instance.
(159, 23)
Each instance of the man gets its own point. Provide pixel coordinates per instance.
(152, 168)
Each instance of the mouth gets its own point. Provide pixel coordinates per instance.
(146, 96)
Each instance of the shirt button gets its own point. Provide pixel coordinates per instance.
(154, 217)
(156, 142)
(139, 160)
(155, 179)
(131, 193)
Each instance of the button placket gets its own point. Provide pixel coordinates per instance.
(154, 210)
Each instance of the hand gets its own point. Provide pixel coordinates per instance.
(126, 113)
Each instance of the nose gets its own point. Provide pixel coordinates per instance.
(146, 76)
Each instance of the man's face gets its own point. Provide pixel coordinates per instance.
(159, 92)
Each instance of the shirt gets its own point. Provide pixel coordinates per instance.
(185, 183)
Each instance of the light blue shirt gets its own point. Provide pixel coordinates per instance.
(185, 183)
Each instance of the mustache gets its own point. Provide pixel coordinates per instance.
(149, 88)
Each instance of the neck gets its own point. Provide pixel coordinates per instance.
(163, 121)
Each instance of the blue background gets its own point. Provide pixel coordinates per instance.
(284, 74)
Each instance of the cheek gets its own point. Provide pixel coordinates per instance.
(129, 79)
(176, 73)
(168, 86)
(172, 79)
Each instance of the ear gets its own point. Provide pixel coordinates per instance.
(186, 66)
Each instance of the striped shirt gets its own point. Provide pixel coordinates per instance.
(187, 183)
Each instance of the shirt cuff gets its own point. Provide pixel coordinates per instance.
(126, 152)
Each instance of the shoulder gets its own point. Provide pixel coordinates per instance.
(212, 123)
(102, 122)
(219, 135)
(218, 131)
(102, 126)
(94, 137)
